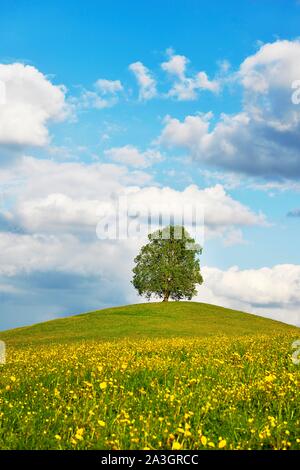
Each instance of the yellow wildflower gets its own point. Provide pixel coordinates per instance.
(222, 443)
(176, 445)
(79, 434)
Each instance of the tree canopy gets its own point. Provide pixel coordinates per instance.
(168, 265)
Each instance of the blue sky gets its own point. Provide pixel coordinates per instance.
(165, 101)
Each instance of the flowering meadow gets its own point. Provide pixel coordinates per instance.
(218, 392)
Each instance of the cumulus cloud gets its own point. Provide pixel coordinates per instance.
(105, 94)
(91, 99)
(222, 214)
(31, 178)
(58, 212)
(186, 88)
(27, 253)
(132, 156)
(270, 291)
(275, 66)
(263, 139)
(108, 86)
(80, 194)
(31, 102)
(176, 65)
(145, 81)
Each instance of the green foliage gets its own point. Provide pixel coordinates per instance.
(168, 266)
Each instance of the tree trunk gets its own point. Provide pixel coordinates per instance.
(166, 296)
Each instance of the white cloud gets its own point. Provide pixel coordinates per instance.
(183, 88)
(187, 134)
(79, 193)
(231, 180)
(132, 156)
(60, 212)
(91, 99)
(145, 80)
(28, 253)
(59, 229)
(263, 139)
(31, 103)
(223, 215)
(108, 86)
(203, 83)
(176, 65)
(275, 65)
(271, 292)
(35, 178)
(104, 95)
(275, 186)
(186, 88)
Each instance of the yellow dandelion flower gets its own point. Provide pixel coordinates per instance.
(176, 445)
(79, 434)
(222, 443)
(270, 378)
(203, 440)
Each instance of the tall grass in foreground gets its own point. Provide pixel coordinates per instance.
(210, 393)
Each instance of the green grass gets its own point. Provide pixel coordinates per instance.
(151, 376)
(150, 320)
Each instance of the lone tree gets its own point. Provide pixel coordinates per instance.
(168, 265)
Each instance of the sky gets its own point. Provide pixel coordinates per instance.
(161, 105)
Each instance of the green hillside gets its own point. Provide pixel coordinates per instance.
(174, 319)
(176, 376)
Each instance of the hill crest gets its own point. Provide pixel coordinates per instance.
(148, 320)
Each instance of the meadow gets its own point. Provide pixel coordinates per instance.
(222, 387)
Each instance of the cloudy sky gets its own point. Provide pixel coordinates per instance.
(170, 103)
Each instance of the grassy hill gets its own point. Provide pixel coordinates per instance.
(151, 376)
(150, 320)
